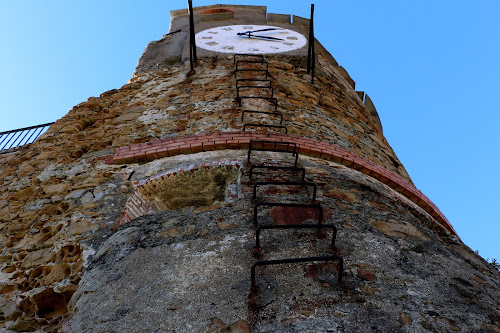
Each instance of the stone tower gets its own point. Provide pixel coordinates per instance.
(141, 209)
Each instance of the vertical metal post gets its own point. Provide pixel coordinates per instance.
(192, 42)
(311, 63)
(309, 45)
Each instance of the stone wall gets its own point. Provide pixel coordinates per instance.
(65, 244)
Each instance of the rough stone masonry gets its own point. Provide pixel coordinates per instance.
(164, 242)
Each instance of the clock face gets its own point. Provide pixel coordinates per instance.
(252, 39)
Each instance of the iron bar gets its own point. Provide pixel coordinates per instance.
(21, 136)
(239, 69)
(22, 139)
(239, 62)
(273, 167)
(272, 146)
(192, 42)
(313, 58)
(248, 55)
(286, 204)
(26, 128)
(294, 226)
(247, 61)
(14, 136)
(333, 257)
(310, 52)
(36, 136)
(171, 33)
(18, 135)
(311, 184)
(6, 136)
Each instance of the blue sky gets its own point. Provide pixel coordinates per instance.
(431, 68)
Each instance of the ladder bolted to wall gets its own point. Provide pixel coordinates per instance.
(248, 64)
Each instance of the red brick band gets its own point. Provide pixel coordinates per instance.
(190, 144)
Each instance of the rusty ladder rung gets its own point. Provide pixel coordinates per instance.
(275, 167)
(274, 148)
(253, 287)
(266, 70)
(285, 204)
(247, 55)
(311, 184)
(294, 226)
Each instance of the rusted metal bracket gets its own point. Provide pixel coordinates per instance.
(260, 56)
(333, 257)
(294, 226)
(311, 184)
(274, 167)
(247, 61)
(273, 146)
(238, 69)
(286, 204)
(277, 113)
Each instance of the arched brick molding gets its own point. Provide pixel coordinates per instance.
(190, 144)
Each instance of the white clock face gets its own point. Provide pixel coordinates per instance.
(252, 39)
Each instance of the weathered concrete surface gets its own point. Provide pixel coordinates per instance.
(189, 270)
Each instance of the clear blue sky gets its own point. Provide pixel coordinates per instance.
(432, 69)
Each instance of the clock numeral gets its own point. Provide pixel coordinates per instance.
(227, 29)
(206, 37)
(284, 32)
(212, 43)
(253, 49)
(228, 48)
(292, 38)
(212, 32)
(289, 44)
(247, 27)
(275, 48)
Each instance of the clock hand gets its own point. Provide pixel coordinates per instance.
(249, 35)
(249, 32)
(264, 37)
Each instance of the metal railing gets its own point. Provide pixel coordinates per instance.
(21, 136)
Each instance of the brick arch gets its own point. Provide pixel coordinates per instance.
(196, 143)
(141, 202)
